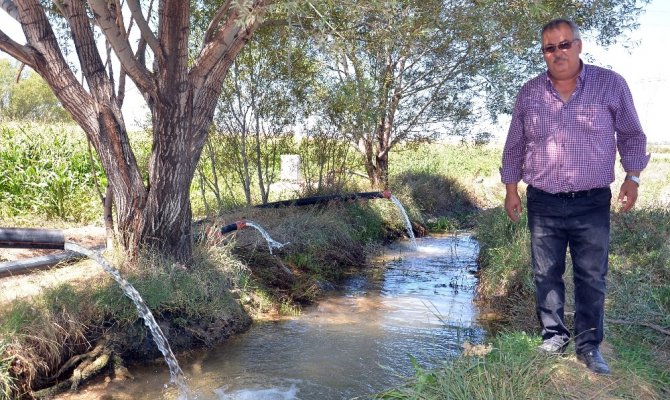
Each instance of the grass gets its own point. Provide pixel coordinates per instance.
(444, 187)
(39, 335)
(512, 370)
(7, 381)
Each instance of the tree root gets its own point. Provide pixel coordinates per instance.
(120, 370)
(84, 367)
(647, 324)
(639, 323)
(80, 359)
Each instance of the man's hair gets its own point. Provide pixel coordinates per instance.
(554, 24)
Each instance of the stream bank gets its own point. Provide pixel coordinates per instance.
(359, 339)
(232, 280)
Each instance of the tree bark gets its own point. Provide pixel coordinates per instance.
(180, 95)
(108, 216)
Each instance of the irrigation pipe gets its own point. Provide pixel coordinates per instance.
(325, 199)
(33, 238)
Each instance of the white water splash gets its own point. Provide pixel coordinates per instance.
(408, 225)
(272, 244)
(176, 374)
(259, 394)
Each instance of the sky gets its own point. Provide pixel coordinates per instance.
(646, 68)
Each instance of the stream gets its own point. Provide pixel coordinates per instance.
(359, 340)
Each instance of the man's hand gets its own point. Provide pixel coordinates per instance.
(513, 202)
(627, 195)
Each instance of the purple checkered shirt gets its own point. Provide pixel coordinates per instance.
(565, 147)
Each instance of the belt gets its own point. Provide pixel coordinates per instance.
(572, 195)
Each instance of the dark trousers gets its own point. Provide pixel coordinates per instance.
(581, 223)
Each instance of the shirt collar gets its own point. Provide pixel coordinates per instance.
(582, 73)
(580, 78)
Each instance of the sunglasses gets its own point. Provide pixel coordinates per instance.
(564, 45)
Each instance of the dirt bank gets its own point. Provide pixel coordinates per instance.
(108, 346)
(73, 332)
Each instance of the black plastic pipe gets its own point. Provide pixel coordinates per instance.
(32, 238)
(234, 226)
(325, 199)
(308, 201)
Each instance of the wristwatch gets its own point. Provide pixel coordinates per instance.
(634, 178)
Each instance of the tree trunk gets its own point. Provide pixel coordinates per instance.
(180, 92)
(383, 148)
(375, 155)
(125, 181)
(373, 172)
(171, 169)
(108, 217)
(245, 174)
(382, 171)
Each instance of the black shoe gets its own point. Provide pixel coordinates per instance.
(594, 362)
(553, 346)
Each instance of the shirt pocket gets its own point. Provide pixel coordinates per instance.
(594, 120)
(537, 124)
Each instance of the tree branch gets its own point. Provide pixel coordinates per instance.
(145, 30)
(16, 50)
(226, 43)
(92, 66)
(119, 42)
(7, 44)
(10, 8)
(431, 99)
(214, 24)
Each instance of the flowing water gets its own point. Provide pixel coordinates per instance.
(176, 374)
(272, 244)
(356, 342)
(408, 225)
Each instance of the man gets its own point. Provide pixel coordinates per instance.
(566, 126)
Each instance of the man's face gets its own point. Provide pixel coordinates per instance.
(562, 64)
